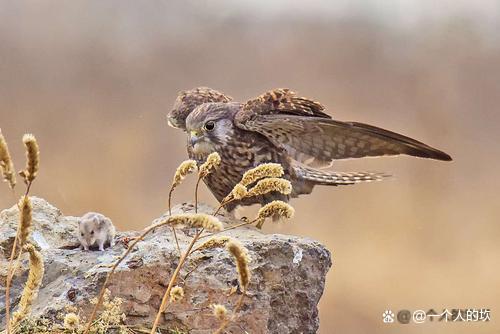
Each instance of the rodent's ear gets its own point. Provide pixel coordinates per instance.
(79, 221)
(105, 221)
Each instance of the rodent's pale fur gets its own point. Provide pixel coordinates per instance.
(95, 229)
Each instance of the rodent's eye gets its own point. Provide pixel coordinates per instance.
(92, 232)
(81, 234)
(209, 126)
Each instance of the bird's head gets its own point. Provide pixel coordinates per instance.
(210, 126)
(188, 100)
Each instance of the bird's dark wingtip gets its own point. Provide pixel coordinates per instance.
(442, 156)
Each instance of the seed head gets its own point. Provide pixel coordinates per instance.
(184, 169)
(198, 220)
(213, 161)
(71, 321)
(25, 219)
(32, 158)
(215, 242)
(268, 185)
(176, 294)
(30, 291)
(276, 210)
(239, 191)
(6, 165)
(208, 222)
(219, 311)
(260, 172)
(240, 254)
(279, 208)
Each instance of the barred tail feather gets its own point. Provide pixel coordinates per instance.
(319, 177)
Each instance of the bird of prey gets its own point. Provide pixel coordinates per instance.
(283, 128)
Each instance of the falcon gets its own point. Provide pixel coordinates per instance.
(281, 127)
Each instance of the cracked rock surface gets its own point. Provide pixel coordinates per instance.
(288, 275)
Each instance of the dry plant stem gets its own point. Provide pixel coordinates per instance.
(216, 212)
(170, 214)
(11, 271)
(7, 170)
(190, 272)
(235, 311)
(28, 188)
(164, 302)
(170, 201)
(16, 240)
(176, 240)
(7, 285)
(32, 285)
(224, 230)
(221, 205)
(196, 194)
(117, 263)
(229, 228)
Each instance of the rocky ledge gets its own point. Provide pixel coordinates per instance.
(288, 275)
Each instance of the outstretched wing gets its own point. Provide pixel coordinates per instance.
(318, 141)
(282, 101)
(279, 101)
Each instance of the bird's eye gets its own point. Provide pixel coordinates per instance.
(81, 234)
(209, 126)
(92, 232)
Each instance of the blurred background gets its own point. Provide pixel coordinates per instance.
(94, 80)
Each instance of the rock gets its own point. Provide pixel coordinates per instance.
(288, 275)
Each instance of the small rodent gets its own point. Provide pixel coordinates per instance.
(95, 228)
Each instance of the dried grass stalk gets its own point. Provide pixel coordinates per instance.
(173, 220)
(32, 158)
(239, 191)
(213, 161)
(208, 222)
(274, 210)
(268, 178)
(6, 164)
(240, 254)
(23, 231)
(261, 172)
(164, 301)
(198, 220)
(25, 220)
(184, 169)
(36, 270)
(215, 242)
(268, 185)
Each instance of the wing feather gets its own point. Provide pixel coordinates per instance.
(280, 101)
(326, 140)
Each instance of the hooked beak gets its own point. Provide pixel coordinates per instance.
(194, 138)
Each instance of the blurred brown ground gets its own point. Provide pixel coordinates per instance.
(93, 80)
